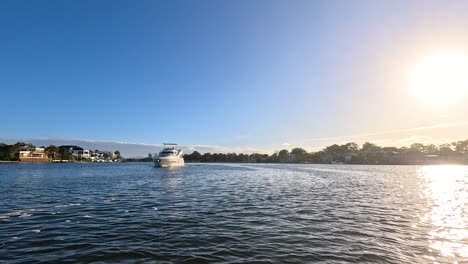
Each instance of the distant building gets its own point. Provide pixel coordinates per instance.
(105, 154)
(102, 156)
(87, 153)
(33, 155)
(77, 151)
(71, 148)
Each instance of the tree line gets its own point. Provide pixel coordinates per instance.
(350, 153)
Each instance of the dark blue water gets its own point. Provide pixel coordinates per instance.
(215, 213)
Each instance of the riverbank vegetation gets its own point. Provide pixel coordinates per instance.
(351, 153)
(147, 159)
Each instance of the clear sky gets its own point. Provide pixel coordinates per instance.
(257, 74)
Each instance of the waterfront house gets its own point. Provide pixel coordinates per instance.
(102, 156)
(33, 155)
(86, 153)
(71, 149)
(77, 151)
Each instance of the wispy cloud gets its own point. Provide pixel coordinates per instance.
(410, 140)
(285, 144)
(390, 132)
(445, 125)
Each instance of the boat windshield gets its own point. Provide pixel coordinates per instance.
(167, 152)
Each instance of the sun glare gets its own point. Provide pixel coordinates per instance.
(440, 79)
(445, 188)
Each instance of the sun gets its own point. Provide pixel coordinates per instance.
(440, 79)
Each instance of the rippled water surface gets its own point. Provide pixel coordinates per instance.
(233, 213)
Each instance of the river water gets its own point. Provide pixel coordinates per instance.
(233, 213)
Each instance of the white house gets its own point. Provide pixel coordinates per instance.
(86, 153)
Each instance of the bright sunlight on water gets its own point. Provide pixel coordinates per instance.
(446, 190)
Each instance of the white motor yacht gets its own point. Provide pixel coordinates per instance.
(169, 156)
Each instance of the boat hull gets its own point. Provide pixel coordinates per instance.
(169, 162)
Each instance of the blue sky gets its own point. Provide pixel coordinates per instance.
(257, 74)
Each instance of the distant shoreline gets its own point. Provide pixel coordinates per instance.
(349, 153)
(245, 163)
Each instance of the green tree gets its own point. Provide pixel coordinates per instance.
(283, 153)
(274, 158)
(352, 147)
(335, 152)
(445, 148)
(243, 157)
(300, 154)
(461, 146)
(431, 148)
(196, 156)
(370, 147)
(206, 157)
(372, 154)
(417, 147)
(9, 152)
(52, 152)
(64, 154)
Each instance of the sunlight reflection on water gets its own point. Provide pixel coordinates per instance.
(447, 192)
